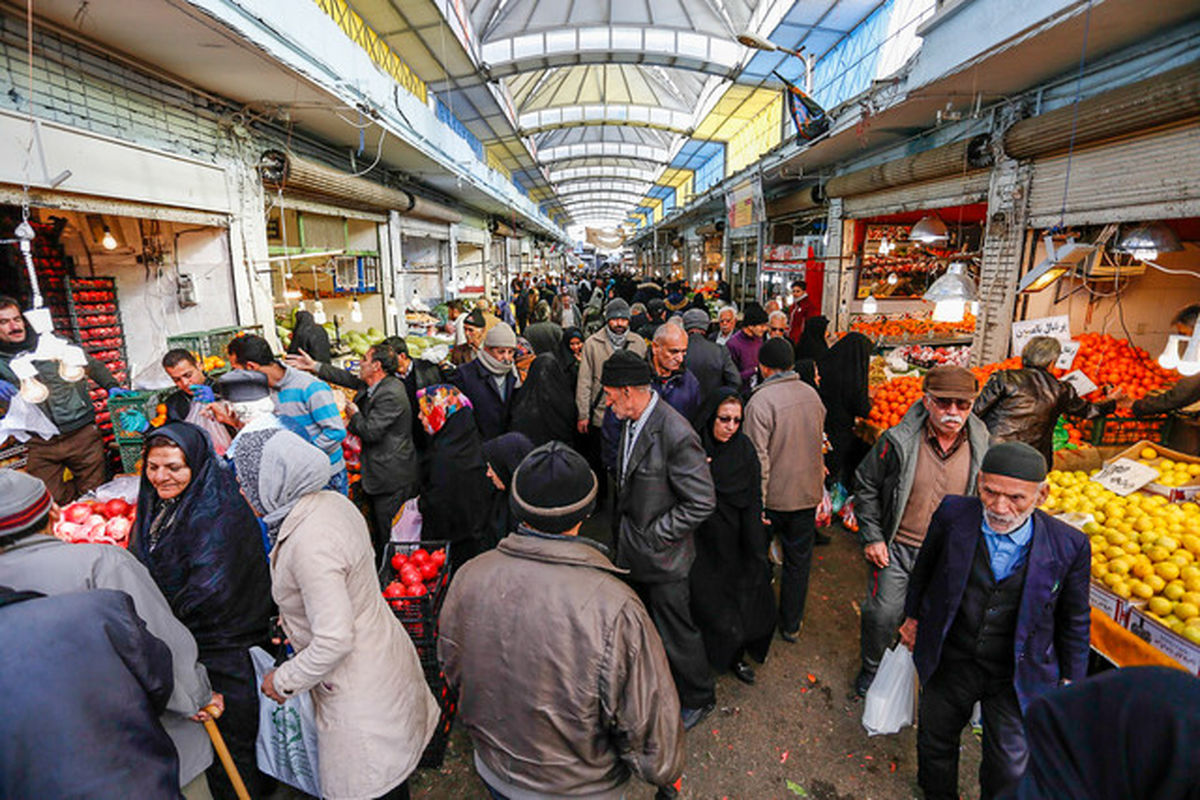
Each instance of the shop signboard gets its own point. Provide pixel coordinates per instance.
(744, 204)
(1058, 327)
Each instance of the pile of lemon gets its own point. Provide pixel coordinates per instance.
(1170, 473)
(1144, 548)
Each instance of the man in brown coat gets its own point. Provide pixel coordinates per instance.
(785, 420)
(572, 698)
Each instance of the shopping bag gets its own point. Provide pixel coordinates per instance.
(406, 525)
(889, 703)
(199, 415)
(286, 748)
(825, 510)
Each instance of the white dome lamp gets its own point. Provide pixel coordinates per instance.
(356, 314)
(1145, 242)
(951, 294)
(929, 230)
(1189, 364)
(870, 305)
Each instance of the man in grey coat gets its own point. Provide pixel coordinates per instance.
(664, 492)
(31, 560)
(708, 361)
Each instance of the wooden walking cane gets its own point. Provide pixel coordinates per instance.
(218, 742)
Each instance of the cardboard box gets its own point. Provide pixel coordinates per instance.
(1176, 494)
(1163, 639)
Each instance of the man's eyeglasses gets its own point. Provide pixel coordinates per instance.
(952, 402)
(726, 420)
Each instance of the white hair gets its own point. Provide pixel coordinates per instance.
(249, 410)
(777, 315)
(730, 309)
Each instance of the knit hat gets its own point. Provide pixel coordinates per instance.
(475, 319)
(777, 354)
(553, 489)
(243, 385)
(616, 309)
(754, 315)
(623, 368)
(24, 502)
(695, 319)
(501, 335)
(951, 382)
(1014, 460)
(505, 453)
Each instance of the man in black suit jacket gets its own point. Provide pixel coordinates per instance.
(381, 417)
(997, 613)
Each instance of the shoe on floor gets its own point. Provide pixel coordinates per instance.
(694, 716)
(790, 636)
(822, 538)
(863, 682)
(742, 671)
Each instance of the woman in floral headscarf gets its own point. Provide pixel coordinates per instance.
(454, 494)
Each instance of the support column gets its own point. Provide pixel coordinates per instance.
(396, 266)
(1003, 251)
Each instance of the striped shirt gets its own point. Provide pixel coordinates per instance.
(305, 403)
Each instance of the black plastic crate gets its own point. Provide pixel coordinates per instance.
(417, 614)
(447, 700)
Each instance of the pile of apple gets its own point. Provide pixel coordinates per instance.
(96, 522)
(413, 574)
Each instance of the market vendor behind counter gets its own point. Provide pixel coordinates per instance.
(1182, 400)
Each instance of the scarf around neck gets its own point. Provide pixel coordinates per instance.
(495, 365)
(617, 341)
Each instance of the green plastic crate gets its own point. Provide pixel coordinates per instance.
(212, 342)
(144, 403)
(131, 453)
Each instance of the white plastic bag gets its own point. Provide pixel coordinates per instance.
(889, 703)
(406, 524)
(25, 420)
(286, 748)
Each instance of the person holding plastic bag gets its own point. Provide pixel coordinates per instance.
(997, 613)
(374, 712)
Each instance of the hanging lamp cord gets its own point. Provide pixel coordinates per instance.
(1087, 24)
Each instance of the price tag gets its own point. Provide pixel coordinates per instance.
(1055, 327)
(1069, 351)
(1082, 383)
(1125, 476)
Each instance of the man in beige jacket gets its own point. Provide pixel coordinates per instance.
(589, 395)
(785, 420)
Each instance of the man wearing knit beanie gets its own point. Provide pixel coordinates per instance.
(744, 344)
(590, 646)
(490, 381)
(589, 399)
(785, 421)
(997, 614)
(32, 560)
(664, 492)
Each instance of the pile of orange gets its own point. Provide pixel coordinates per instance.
(892, 400)
(1109, 361)
(907, 327)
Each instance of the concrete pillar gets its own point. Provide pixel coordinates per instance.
(253, 296)
(396, 268)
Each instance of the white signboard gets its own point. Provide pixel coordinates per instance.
(1069, 351)
(1056, 327)
(1125, 476)
(1082, 383)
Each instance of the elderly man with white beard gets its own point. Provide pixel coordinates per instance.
(996, 614)
(934, 451)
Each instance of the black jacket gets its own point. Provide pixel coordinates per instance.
(179, 402)
(493, 414)
(1023, 405)
(310, 337)
(421, 373)
(711, 364)
(384, 424)
(84, 683)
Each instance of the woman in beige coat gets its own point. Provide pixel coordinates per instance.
(375, 713)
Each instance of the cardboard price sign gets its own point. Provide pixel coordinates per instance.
(1125, 476)
(1082, 383)
(1069, 351)
(1055, 327)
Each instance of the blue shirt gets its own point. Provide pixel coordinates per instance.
(1006, 551)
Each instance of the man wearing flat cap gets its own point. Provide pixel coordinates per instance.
(587, 696)
(996, 613)
(934, 451)
(664, 492)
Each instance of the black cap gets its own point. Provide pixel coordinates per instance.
(777, 354)
(754, 315)
(553, 489)
(243, 385)
(1014, 460)
(623, 368)
(475, 319)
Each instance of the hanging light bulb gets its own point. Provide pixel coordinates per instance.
(974, 308)
(319, 313)
(356, 314)
(870, 305)
(1170, 354)
(929, 230)
(1145, 242)
(108, 240)
(893, 279)
(950, 294)
(301, 305)
(885, 246)
(393, 305)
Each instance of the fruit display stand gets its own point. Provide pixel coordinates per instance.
(210, 347)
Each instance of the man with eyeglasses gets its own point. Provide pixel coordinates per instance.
(934, 451)
(777, 325)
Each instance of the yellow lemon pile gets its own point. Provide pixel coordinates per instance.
(1170, 473)
(1143, 547)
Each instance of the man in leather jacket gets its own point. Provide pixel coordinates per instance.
(1023, 405)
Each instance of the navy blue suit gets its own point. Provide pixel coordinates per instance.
(1049, 642)
(493, 415)
(1053, 625)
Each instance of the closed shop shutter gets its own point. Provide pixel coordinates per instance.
(956, 190)
(1148, 177)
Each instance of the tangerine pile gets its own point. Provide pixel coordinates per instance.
(913, 327)
(893, 399)
(1109, 361)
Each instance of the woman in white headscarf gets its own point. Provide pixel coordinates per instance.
(375, 713)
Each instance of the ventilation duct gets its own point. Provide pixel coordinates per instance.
(807, 199)
(965, 155)
(306, 178)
